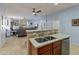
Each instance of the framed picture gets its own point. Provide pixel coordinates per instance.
(75, 22)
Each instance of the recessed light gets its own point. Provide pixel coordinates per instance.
(34, 13)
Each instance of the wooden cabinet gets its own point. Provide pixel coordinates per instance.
(56, 51)
(44, 50)
(50, 49)
(46, 53)
(33, 50)
(56, 44)
(56, 48)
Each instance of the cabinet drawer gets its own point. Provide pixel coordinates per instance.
(56, 44)
(44, 49)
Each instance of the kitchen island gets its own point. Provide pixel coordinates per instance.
(58, 46)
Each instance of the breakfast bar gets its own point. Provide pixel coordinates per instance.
(56, 44)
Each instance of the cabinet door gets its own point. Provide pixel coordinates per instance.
(46, 53)
(46, 49)
(57, 51)
(56, 48)
(65, 46)
(57, 44)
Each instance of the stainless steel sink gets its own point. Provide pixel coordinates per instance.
(47, 38)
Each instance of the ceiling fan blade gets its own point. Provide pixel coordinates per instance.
(33, 10)
(35, 14)
(38, 11)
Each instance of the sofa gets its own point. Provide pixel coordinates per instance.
(21, 32)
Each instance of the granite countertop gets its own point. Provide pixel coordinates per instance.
(57, 36)
(38, 30)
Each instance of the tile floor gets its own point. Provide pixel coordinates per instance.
(14, 46)
(17, 46)
(74, 49)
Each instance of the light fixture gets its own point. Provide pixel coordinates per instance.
(34, 13)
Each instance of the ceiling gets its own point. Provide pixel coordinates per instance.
(25, 9)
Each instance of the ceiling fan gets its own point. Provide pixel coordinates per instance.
(35, 12)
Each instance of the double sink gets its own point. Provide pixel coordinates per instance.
(47, 38)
